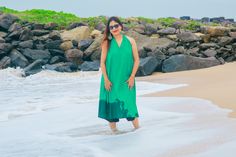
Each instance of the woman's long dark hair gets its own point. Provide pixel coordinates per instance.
(107, 29)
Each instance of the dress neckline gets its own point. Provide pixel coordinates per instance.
(121, 41)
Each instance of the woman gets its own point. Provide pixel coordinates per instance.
(119, 64)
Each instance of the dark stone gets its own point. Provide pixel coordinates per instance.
(205, 46)
(57, 59)
(147, 66)
(225, 40)
(26, 34)
(34, 67)
(5, 48)
(6, 20)
(56, 52)
(53, 44)
(166, 31)
(74, 25)
(38, 26)
(36, 54)
(188, 37)
(39, 32)
(210, 53)
(62, 67)
(50, 26)
(84, 44)
(5, 62)
(183, 62)
(90, 66)
(17, 59)
(26, 44)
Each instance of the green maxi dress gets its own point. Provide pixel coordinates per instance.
(120, 101)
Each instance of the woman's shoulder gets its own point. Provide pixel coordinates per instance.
(130, 39)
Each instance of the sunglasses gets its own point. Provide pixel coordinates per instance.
(114, 26)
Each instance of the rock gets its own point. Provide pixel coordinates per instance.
(93, 47)
(193, 51)
(139, 28)
(84, 44)
(57, 59)
(100, 26)
(188, 37)
(3, 34)
(56, 52)
(34, 67)
(224, 40)
(17, 59)
(147, 66)
(78, 33)
(39, 32)
(215, 31)
(180, 49)
(167, 31)
(96, 54)
(5, 62)
(95, 33)
(38, 26)
(55, 35)
(210, 53)
(5, 48)
(53, 44)
(26, 34)
(66, 45)
(2, 40)
(232, 34)
(205, 46)
(74, 55)
(75, 24)
(26, 44)
(6, 20)
(15, 27)
(50, 26)
(150, 43)
(62, 67)
(90, 66)
(172, 37)
(150, 28)
(36, 54)
(183, 62)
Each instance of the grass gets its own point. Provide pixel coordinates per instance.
(64, 19)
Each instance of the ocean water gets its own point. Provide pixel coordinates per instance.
(52, 114)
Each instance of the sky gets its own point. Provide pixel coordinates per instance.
(129, 8)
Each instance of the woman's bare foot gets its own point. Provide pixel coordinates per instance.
(113, 126)
(136, 123)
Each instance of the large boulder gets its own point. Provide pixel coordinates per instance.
(90, 66)
(74, 55)
(147, 66)
(5, 48)
(77, 34)
(183, 62)
(150, 43)
(61, 67)
(36, 54)
(188, 37)
(17, 59)
(215, 31)
(34, 67)
(6, 20)
(94, 46)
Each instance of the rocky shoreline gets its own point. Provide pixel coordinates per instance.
(34, 47)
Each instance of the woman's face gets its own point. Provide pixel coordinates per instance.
(115, 28)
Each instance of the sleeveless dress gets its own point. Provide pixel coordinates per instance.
(120, 101)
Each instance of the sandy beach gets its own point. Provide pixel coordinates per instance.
(217, 84)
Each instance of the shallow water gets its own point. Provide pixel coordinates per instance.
(52, 114)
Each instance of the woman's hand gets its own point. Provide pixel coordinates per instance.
(108, 84)
(130, 82)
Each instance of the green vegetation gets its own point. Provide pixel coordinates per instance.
(65, 19)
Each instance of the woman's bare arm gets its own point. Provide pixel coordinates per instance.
(135, 56)
(103, 59)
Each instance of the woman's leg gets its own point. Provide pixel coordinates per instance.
(136, 123)
(112, 124)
